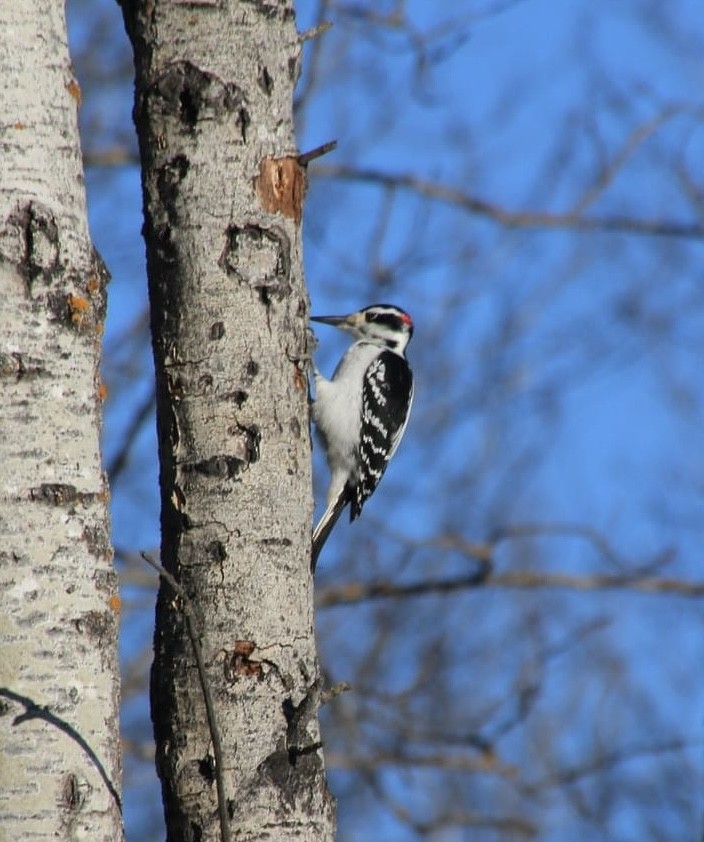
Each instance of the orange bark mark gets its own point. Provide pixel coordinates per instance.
(78, 307)
(75, 90)
(115, 604)
(93, 284)
(280, 185)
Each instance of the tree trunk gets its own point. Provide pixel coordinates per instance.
(222, 202)
(59, 688)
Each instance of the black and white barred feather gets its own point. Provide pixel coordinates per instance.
(362, 413)
(387, 395)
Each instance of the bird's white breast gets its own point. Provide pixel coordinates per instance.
(338, 404)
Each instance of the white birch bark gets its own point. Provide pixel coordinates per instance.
(222, 200)
(59, 686)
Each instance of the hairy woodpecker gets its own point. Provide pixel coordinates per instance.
(361, 414)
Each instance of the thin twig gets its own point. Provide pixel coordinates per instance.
(306, 157)
(189, 614)
(333, 692)
(142, 413)
(315, 31)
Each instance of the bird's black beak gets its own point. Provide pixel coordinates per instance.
(329, 320)
(351, 322)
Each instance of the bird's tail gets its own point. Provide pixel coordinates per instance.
(326, 524)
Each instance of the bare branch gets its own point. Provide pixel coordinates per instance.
(315, 31)
(115, 156)
(634, 140)
(605, 760)
(572, 220)
(353, 593)
(142, 412)
(482, 764)
(333, 692)
(507, 824)
(306, 157)
(205, 687)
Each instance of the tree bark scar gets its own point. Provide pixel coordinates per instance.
(260, 257)
(192, 94)
(38, 236)
(281, 186)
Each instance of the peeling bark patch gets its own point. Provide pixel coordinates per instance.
(260, 257)
(241, 664)
(300, 380)
(194, 95)
(281, 186)
(74, 90)
(101, 388)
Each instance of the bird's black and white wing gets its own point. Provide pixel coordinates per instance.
(387, 396)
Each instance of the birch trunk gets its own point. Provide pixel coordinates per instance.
(59, 687)
(222, 204)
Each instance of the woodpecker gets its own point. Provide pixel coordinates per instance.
(362, 413)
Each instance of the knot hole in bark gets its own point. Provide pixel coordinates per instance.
(259, 257)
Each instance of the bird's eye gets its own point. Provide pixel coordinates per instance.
(387, 319)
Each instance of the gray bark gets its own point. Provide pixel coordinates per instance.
(222, 202)
(59, 686)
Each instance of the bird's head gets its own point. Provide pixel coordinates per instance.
(383, 324)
